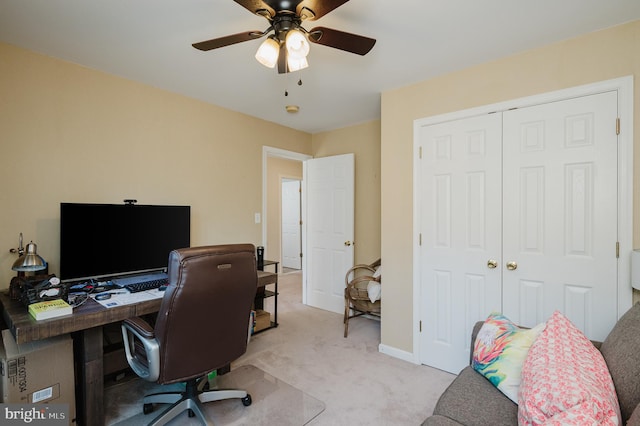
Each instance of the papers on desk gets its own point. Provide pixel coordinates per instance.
(123, 297)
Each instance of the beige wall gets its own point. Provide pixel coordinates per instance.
(364, 141)
(604, 55)
(72, 134)
(277, 169)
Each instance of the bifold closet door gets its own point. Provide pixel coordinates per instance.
(518, 214)
(460, 227)
(560, 213)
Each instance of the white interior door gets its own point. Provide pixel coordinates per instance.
(460, 226)
(560, 211)
(329, 212)
(291, 237)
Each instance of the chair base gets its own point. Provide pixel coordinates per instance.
(191, 399)
(356, 313)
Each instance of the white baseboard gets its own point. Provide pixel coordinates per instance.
(397, 353)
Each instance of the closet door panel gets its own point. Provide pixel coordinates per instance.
(560, 212)
(460, 224)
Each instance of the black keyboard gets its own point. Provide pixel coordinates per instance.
(146, 285)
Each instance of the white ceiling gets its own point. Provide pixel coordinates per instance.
(150, 41)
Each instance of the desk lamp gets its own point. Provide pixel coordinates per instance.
(29, 261)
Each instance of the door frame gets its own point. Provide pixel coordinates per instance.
(624, 87)
(268, 151)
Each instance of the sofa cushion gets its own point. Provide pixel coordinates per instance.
(472, 400)
(565, 380)
(500, 350)
(621, 352)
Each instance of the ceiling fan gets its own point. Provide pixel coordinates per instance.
(288, 45)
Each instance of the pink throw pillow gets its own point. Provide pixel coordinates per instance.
(565, 380)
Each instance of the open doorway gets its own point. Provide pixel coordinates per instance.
(278, 165)
(291, 225)
(328, 184)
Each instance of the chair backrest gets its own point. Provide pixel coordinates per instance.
(203, 320)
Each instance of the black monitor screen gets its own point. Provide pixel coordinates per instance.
(111, 239)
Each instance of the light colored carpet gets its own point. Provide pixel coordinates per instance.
(357, 384)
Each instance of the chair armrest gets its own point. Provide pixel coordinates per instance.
(355, 268)
(141, 326)
(362, 279)
(137, 330)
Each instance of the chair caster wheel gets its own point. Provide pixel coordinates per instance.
(191, 413)
(147, 408)
(246, 401)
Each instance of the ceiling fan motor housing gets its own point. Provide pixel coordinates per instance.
(283, 24)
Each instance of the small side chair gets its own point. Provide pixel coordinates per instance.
(357, 300)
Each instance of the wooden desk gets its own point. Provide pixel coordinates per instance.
(85, 326)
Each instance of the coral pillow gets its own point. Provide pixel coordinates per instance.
(500, 350)
(565, 380)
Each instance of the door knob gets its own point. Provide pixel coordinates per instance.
(347, 243)
(512, 265)
(492, 264)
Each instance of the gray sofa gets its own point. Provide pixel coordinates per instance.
(473, 400)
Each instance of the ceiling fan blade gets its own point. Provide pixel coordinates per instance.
(254, 6)
(283, 67)
(341, 40)
(318, 8)
(227, 40)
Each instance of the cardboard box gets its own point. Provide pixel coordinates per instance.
(262, 320)
(38, 372)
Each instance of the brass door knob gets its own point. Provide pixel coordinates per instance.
(347, 243)
(512, 265)
(492, 264)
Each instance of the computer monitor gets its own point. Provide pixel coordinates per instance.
(103, 240)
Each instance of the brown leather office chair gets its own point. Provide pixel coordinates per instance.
(202, 325)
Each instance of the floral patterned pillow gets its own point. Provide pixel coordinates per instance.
(565, 380)
(500, 350)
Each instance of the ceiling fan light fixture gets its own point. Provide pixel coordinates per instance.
(267, 53)
(287, 44)
(297, 44)
(297, 64)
